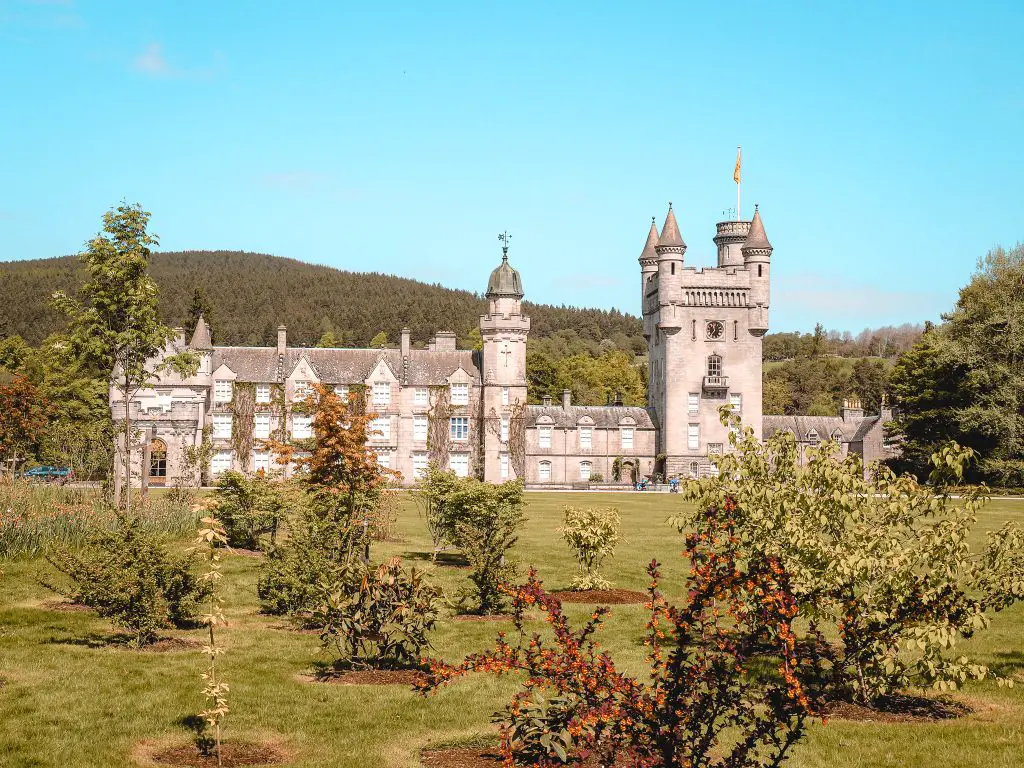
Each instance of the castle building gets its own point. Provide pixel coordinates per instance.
(467, 410)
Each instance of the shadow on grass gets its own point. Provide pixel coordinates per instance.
(445, 559)
(1007, 663)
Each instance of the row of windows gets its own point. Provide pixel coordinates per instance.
(223, 391)
(693, 402)
(544, 471)
(586, 436)
(379, 429)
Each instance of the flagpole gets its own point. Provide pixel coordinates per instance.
(739, 182)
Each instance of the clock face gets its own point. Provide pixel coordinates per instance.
(715, 329)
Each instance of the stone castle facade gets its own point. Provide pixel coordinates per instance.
(467, 410)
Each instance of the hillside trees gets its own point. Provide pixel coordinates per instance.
(24, 414)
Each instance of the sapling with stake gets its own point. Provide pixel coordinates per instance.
(210, 541)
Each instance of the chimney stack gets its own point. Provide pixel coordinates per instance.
(852, 409)
(546, 400)
(282, 339)
(444, 341)
(566, 398)
(406, 342)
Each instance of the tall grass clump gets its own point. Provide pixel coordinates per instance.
(35, 518)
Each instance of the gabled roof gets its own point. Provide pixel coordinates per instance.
(603, 416)
(852, 430)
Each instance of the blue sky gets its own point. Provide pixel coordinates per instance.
(882, 140)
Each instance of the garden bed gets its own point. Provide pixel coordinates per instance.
(602, 596)
(234, 753)
(364, 677)
(900, 708)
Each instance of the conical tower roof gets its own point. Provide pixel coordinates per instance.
(756, 238)
(649, 251)
(505, 280)
(670, 236)
(201, 337)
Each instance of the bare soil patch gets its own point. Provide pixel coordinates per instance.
(364, 677)
(602, 596)
(232, 754)
(65, 606)
(481, 757)
(900, 708)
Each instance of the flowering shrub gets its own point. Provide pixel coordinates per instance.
(591, 534)
(702, 706)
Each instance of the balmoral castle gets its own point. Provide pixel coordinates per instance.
(467, 410)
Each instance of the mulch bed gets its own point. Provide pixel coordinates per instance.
(480, 757)
(602, 596)
(165, 644)
(365, 677)
(237, 753)
(899, 708)
(65, 606)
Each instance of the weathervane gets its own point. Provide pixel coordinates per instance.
(504, 238)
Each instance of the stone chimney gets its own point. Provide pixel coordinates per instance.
(618, 398)
(852, 409)
(885, 409)
(566, 398)
(546, 400)
(406, 342)
(444, 341)
(282, 339)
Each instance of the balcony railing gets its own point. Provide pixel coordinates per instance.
(716, 382)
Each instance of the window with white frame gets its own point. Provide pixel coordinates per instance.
(715, 449)
(380, 428)
(301, 456)
(384, 459)
(714, 365)
(626, 436)
(419, 429)
(460, 394)
(222, 425)
(504, 395)
(261, 425)
(693, 437)
(222, 391)
(163, 399)
(302, 389)
(262, 393)
(459, 464)
(302, 426)
(544, 436)
(586, 438)
(421, 396)
(381, 393)
(736, 402)
(693, 403)
(694, 470)
(261, 461)
(504, 429)
(544, 471)
(503, 465)
(459, 428)
(812, 437)
(341, 390)
(585, 469)
(220, 462)
(419, 464)
(837, 437)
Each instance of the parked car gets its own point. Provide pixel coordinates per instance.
(49, 474)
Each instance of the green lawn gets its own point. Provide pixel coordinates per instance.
(68, 703)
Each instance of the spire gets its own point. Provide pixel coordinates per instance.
(649, 252)
(504, 281)
(756, 238)
(201, 337)
(670, 237)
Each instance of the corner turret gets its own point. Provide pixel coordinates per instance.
(670, 249)
(757, 255)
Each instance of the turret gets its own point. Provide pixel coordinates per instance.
(670, 249)
(729, 238)
(757, 255)
(648, 259)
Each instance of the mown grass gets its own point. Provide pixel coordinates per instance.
(65, 703)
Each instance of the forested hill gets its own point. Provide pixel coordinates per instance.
(251, 293)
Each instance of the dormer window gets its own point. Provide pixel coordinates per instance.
(837, 436)
(812, 437)
(222, 391)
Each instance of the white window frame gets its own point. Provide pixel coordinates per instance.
(164, 400)
(262, 393)
(261, 425)
(420, 429)
(223, 390)
(458, 428)
(380, 429)
(261, 460)
(736, 402)
(221, 461)
(544, 436)
(421, 396)
(384, 459)
(586, 470)
(222, 426)
(302, 426)
(341, 390)
(302, 389)
(382, 393)
(626, 436)
(420, 462)
(505, 395)
(503, 429)
(503, 465)
(693, 403)
(544, 471)
(459, 464)
(693, 437)
(586, 438)
(460, 394)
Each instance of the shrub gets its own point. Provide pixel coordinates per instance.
(702, 706)
(591, 534)
(596, 477)
(129, 576)
(290, 574)
(249, 509)
(882, 563)
(377, 616)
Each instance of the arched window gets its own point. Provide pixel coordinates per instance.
(812, 437)
(694, 470)
(158, 459)
(585, 469)
(714, 365)
(544, 471)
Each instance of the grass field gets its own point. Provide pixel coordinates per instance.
(70, 700)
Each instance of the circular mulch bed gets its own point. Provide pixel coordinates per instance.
(602, 596)
(461, 757)
(66, 606)
(365, 677)
(232, 754)
(899, 708)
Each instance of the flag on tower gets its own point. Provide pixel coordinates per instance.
(736, 173)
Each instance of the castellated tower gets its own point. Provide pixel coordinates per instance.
(703, 329)
(504, 330)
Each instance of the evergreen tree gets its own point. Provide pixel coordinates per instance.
(200, 307)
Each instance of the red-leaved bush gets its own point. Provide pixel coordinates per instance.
(703, 705)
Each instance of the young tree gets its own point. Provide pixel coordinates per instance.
(379, 341)
(24, 414)
(116, 324)
(591, 534)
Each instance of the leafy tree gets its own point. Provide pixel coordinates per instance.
(116, 325)
(869, 382)
(328, 339)
(880, 562)
(776, 396)
(24, 414)
(248, 508)
(380, 341)
(591, 534)
(702, 705)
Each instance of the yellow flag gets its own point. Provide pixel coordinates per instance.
(736, 173)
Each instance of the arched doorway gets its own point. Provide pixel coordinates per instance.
(157, 463)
